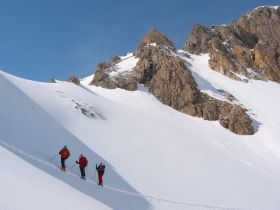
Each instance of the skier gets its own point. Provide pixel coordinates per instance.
(100, 169)
(83, 163)
(64, 153)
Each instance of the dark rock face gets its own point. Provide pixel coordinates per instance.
(252, 42)
(199, 40)
(222, 60)
(232, 117)
(167, 77)
(265, 58)
(263, 22)
(172, 83)
(244, 38)
(126, 82)
(73, 79)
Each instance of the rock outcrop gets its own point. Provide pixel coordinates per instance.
(199, 40)
(73, 79)
(263, 22)
(103, 76)
(172, 83)
(115, 59)
(154, 36)
(227, 95)
(167, 77)
(52, 80)
(252, 42)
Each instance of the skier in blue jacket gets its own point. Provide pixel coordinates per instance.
(100, 169)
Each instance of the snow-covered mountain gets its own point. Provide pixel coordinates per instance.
(156, 157)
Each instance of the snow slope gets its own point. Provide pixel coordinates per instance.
(155, 157)
(124, 66)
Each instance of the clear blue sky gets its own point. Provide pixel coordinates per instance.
(41, 39)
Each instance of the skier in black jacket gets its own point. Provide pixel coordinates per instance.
(100, 169)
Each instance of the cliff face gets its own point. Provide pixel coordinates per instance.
(252, 42)
(169, 79)
(263, 22)
(172, 83)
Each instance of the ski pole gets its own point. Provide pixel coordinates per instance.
(54, 157)
(72, 166)
(94, 175)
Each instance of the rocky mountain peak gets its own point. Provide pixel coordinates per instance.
(252, 42)
(199, 39)
(169, 79)
(154, 36)
(264, 22)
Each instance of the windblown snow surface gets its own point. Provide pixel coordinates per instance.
(155, 156)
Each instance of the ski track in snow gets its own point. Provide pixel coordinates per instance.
(149, 198)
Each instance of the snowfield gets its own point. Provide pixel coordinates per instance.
(155, 156)
(125, 65)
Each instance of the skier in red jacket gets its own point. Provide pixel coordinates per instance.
(83, 163)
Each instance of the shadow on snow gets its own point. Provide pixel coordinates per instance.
(35, 136)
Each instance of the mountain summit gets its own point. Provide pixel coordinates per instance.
(154, 36)
(249, 47)
(244, 50)
(157, 65)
